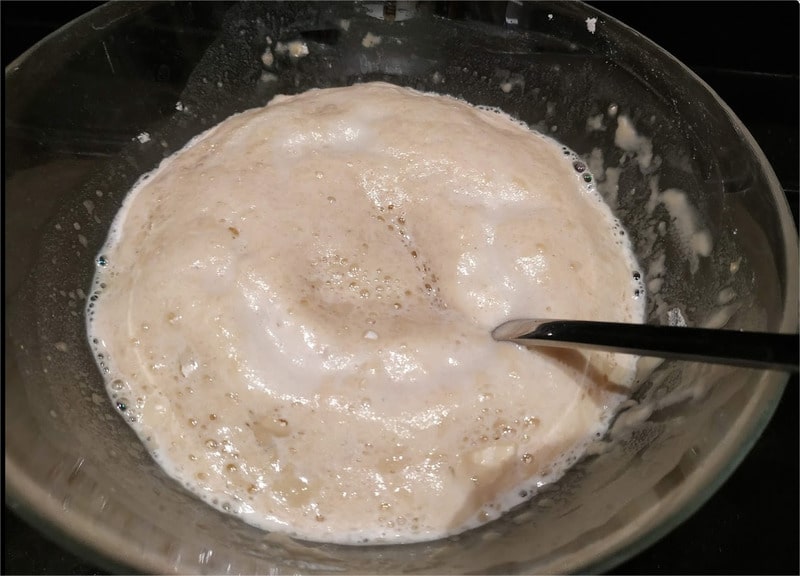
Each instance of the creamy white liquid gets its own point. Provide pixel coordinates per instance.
(296, 310)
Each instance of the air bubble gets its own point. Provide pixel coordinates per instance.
(102, 261)
(587, 177)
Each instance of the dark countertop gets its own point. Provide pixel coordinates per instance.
(748, 53)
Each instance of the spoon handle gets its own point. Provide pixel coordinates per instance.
(748, 349)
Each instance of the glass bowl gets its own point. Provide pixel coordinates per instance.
(92, 107)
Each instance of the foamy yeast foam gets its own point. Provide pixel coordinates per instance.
(294, 313)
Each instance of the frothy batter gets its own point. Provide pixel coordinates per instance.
(296, 313)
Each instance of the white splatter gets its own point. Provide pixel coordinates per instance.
(295, 48)
(370, 40)
(514, 81)
(695, 240)
(630, 141)
(675, 317)
(595, 123)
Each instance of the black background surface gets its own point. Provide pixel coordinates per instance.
(748, 53)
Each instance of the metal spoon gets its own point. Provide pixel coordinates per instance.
(748, 349)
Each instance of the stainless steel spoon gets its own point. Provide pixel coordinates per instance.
(748, 349)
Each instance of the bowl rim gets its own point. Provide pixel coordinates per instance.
(111, 550)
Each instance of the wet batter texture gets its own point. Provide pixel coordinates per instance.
(294, 313)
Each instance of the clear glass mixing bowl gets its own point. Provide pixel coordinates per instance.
(103, 100)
